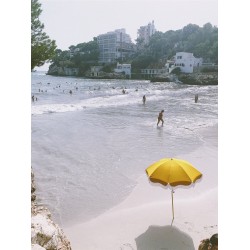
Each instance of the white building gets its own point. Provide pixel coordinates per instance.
(145, 32)
(153, 72)
(123, 68)
(114, 45)
(186, 62)
(95, 70)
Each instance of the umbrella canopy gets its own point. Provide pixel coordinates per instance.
(173, 172)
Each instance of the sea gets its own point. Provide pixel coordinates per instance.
(90, 146)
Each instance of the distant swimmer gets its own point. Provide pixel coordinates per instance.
(33, 98)
(160, 118)
(144, 99)
(196, 98)
(123, 91)
(70, 92)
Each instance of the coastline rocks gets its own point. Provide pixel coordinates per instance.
(36, 247)
(62, 71)
(45, 234)
(33, 187)
(105, 75)
(164, 78)
(160, 79)
(209, 78)
(209, 244)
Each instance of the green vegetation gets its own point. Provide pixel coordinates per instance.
(81, 56)
(201, 41)
(108, 68)
(210, 69)
(42, 48)
(176, 71)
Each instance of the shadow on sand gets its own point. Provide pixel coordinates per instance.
(164, 238)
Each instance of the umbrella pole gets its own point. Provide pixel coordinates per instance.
(172, 192)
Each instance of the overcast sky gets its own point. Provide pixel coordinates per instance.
(70, 22)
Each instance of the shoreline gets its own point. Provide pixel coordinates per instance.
(147, 210)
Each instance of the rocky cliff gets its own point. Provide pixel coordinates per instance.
(45, 233)
(62, 71)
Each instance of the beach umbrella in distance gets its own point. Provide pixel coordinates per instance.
(173, 172)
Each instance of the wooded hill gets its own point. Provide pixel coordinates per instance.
(201, 41)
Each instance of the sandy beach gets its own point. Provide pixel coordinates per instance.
(143, 219)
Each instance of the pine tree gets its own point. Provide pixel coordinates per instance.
(42, 47)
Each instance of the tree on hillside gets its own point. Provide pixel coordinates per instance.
(81, 56)
(42, 47)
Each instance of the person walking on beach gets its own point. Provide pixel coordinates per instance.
(144, 99)
(160, 118)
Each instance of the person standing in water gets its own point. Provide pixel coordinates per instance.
(160, 118)
(144, 99)
(196, 98)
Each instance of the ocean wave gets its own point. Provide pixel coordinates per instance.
(96, 102)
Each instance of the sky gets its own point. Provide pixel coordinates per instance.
(70, 22)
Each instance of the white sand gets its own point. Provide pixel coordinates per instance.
(143, 220)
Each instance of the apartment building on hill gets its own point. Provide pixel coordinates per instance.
(145, 32)
(115, 46)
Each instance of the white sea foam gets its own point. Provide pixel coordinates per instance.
(95, 102)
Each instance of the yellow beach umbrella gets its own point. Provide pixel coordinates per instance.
(173, 172)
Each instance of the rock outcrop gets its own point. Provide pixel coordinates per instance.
(208, 78)
(45, 233)
(201, 78)
(209, 244)
(62, 71)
